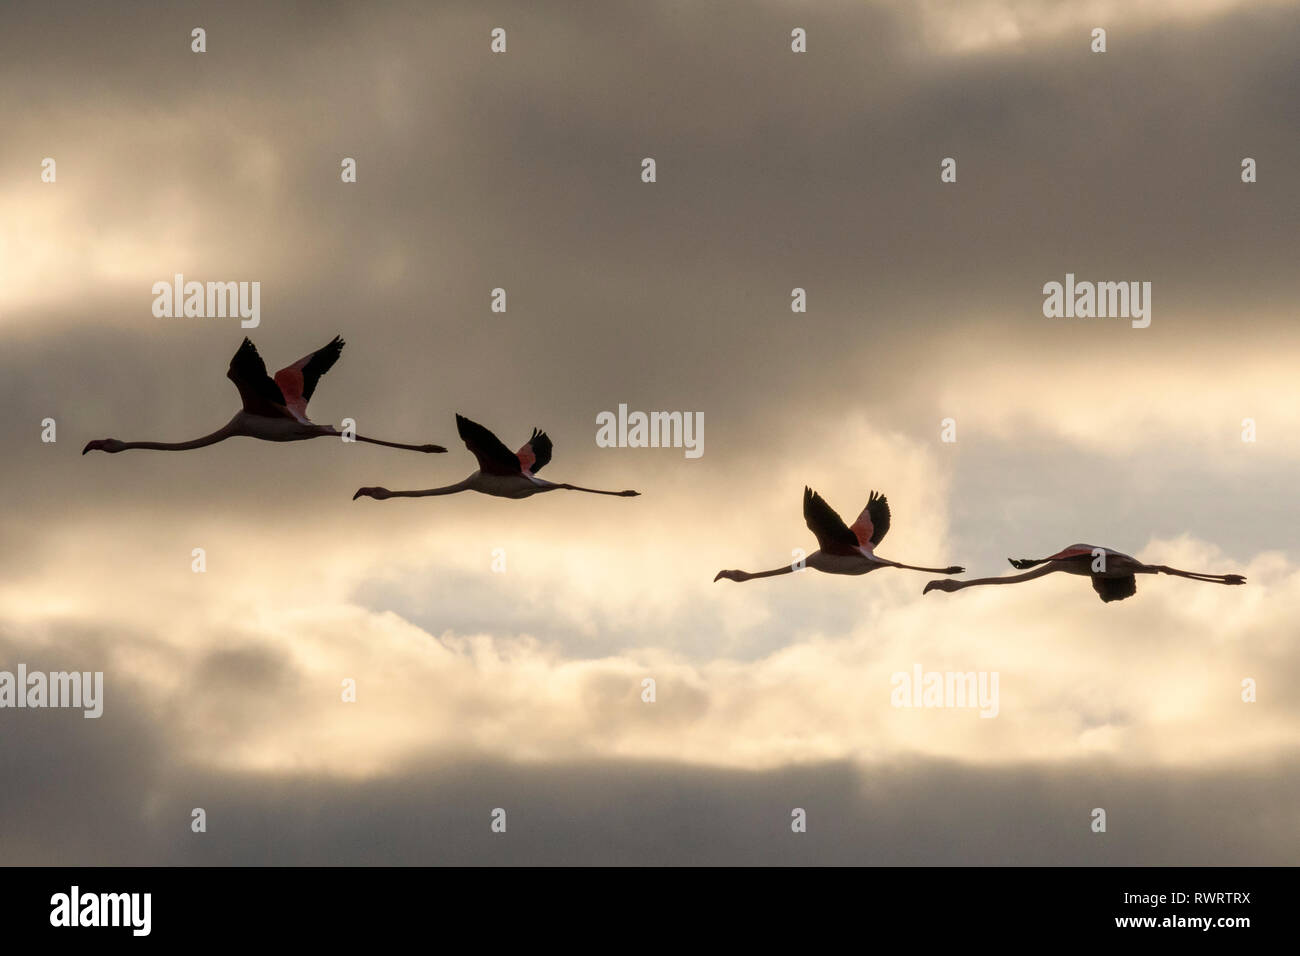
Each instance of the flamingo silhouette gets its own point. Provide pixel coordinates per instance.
(274, 409)
(501, 472)
(1113, 573)
(841, 549)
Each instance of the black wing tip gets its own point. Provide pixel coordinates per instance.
(465, 427)
(543, 448)
(245, 347)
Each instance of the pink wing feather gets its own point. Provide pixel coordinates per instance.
(298, 381)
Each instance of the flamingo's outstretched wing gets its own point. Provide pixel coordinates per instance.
(833, 535)
(1076, 551)
(261, 396)
(1073, 551)
(494, 458)
(873, 524)
(1114, 588)
(298, 381)
(536, 453)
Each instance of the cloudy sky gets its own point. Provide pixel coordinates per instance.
(522, 689)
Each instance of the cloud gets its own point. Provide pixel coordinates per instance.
(248, 664)
(124, 799)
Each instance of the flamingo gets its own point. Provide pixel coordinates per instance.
(841, 549)
(274, 409)
(501, 472)
(1115, 582)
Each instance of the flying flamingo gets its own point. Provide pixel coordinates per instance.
(841, 549)
(501, 472)
(274, 409)
(1115, 582)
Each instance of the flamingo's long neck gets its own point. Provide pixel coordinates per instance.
(446, 490)
(221, 434)
(1010, 579)
(784, 569)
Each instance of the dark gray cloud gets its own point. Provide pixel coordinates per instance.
(113, 792)
(120, 790)
(520, 171)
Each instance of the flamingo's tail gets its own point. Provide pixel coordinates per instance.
(1023, 564)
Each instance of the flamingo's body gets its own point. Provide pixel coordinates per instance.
(501, 473)
(274, 409)
(841, 549)
(1113, 573)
